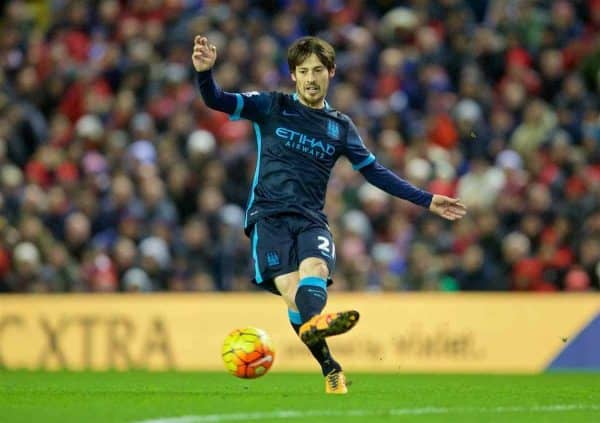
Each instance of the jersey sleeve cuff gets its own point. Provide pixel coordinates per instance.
(427, 197)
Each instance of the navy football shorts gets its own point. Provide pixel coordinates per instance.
(280, 242)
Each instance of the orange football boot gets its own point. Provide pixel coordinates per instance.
(335, 383)
(329, 324)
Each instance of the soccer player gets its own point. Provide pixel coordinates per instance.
(299, 137)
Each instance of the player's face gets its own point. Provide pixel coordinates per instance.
(312, 81)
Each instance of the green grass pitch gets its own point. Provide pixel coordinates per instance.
(169, 397)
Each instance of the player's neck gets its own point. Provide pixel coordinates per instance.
(321, 105)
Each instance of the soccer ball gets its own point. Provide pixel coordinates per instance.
(248, 353)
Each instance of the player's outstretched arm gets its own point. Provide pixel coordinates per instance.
(383, 178)
(388, 181)
(251, 106)
(446, 207)
(204, 55)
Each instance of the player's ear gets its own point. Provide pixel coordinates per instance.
(293, 75)
(332, 72)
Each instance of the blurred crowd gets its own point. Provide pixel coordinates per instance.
(114, 176)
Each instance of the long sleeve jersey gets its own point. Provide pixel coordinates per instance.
(297, 146)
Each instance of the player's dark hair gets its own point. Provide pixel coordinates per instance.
(305, 46)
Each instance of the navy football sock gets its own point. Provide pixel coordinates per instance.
(320, 350)
(311, 296)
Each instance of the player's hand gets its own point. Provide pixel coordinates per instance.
(204, 55)
(448, 208)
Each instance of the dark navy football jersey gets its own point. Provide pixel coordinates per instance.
(297, 147)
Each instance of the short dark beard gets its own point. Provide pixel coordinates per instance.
(312, 104)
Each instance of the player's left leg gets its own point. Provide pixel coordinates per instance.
(311, 298)
(316, 253)
(287, 286)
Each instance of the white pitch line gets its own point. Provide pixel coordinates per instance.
(297, 414)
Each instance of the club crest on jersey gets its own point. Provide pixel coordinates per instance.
(333, 129)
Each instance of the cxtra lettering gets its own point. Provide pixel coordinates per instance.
(87, 342)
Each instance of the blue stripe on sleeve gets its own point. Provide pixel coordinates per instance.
(239, 105)
(313, 281)
(365, 162)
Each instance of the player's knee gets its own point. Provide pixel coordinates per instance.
(287, 286)
(314, 267)
(289, 297)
